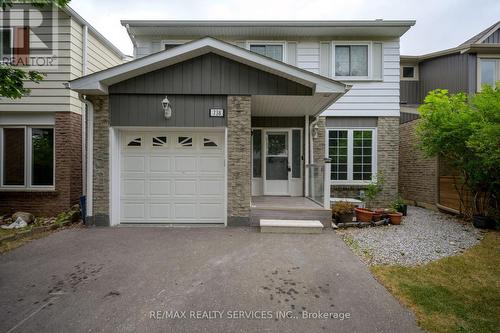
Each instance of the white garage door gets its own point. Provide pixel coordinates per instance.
(172, 177)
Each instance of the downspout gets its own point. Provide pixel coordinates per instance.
(89, 155)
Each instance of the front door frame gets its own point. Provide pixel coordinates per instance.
(295, 185)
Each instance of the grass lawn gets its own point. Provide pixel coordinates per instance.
(454, 294)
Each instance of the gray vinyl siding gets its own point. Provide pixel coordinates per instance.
(210, 74)
(278, 122)
(146, 110)
(493, 38)
(454, 72)
(449, 72)
(409, 92)
(407, 117)
(339, 122)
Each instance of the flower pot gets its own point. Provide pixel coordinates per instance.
(403, 209)
(395, 218)
(363, 215)
(483, 222)
(378, 214)
(346, 218)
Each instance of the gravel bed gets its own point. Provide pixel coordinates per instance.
(424, 236)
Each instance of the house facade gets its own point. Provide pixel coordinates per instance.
(426, 181)
(41, 134)
(205, 129)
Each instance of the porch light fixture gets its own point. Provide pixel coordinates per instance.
(166, 108)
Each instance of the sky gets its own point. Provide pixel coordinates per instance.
(441, 24)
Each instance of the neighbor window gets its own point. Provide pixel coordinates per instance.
(6, 45)
(351, 60)
(274, 51)
(489, 71)
(27, 156)
(352, 154)
(408, 72)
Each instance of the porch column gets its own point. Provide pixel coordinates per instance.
(239, 154)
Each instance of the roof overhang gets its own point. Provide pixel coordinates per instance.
(98, 83)
(471, 48)
(269, 29)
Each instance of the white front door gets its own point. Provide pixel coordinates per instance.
(277, 166)
(172, 177)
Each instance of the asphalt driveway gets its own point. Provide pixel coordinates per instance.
(208, 279)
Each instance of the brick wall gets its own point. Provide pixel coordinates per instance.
(319, 141)
(101, 160)
(68, 173)
(418, 174)
(239, 190)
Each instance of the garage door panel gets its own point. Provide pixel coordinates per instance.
(134, 163)
(185, 187)
(211, 187)
(185, 210)
(159, 187)
(160, 211)
(210, 210)
(159, 164)
(185, 163)
(211, 164)
(133, 210)
(133, 187)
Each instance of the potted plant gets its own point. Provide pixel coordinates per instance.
(395, 216)
(363, 215)
(343, 212)
(374, 188)
(399, 205)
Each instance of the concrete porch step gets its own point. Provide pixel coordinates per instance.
(291, 226)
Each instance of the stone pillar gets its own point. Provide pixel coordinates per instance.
(101, 160)
(239, 154)
(319, 141)
(387, 159)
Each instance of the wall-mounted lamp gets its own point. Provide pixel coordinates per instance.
(166, 107)
(315, 131)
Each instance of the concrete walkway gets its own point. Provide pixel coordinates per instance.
(133, 279)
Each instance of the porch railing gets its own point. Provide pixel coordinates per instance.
(319, 183)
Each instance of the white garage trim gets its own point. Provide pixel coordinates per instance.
(175, 153)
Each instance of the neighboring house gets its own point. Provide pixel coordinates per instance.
(236, 126)
(41, 134)
(465, 68)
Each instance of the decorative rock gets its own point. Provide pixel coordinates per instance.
(26, 217)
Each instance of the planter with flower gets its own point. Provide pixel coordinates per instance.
(343, 212)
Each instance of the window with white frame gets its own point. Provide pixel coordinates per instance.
(353, 155)
(408, 72)
(6, 45)
(489, 71)
(274, 51)
(351, 60)
(27, 157)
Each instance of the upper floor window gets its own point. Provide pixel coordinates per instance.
(351, 60)
(6, 45)
(489, 72)
(274, 51)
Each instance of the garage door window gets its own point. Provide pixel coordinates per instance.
(135, 142)
(159, 141)
(209, 142)
(185, 141)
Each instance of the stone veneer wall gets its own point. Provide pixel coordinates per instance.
(68, 175)
(319, 142)
(101, 160)
(387, 164)
(239, 182)
(418, 174)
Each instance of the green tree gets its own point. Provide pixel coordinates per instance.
(466, 133)
(11, 78)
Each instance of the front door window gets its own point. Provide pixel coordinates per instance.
(277, 156)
